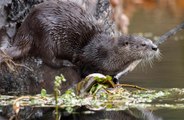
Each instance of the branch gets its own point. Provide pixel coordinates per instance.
(170, 33)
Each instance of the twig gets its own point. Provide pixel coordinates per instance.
(170, 33)
(107, 90)
(10, 63)
(131, 86)
(20, 65)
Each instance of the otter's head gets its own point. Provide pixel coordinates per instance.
(137, 48)
(134, 49)
(111, 56)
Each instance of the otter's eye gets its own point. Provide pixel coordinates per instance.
(126, 43)
(143, 44)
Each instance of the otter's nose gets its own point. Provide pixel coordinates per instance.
(154, 47)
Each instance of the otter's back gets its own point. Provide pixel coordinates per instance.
(63, 25)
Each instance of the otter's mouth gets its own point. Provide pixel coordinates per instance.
(152, 54)
(149, 56)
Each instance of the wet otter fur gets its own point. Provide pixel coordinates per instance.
(59, 31)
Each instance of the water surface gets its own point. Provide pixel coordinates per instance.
(169, 71)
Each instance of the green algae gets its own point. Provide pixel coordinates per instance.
(101, 95)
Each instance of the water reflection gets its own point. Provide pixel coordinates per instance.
(131, 114)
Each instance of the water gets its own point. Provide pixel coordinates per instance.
(169, 71)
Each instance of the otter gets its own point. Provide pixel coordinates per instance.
(63, 31)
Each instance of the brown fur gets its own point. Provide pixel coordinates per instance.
(58, 31)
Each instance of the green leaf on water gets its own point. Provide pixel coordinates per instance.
(43, 92)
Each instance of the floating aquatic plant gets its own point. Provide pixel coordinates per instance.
(96, 94)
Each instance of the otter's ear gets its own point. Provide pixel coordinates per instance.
(123, 43)
(123, 40)
(126, 43)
